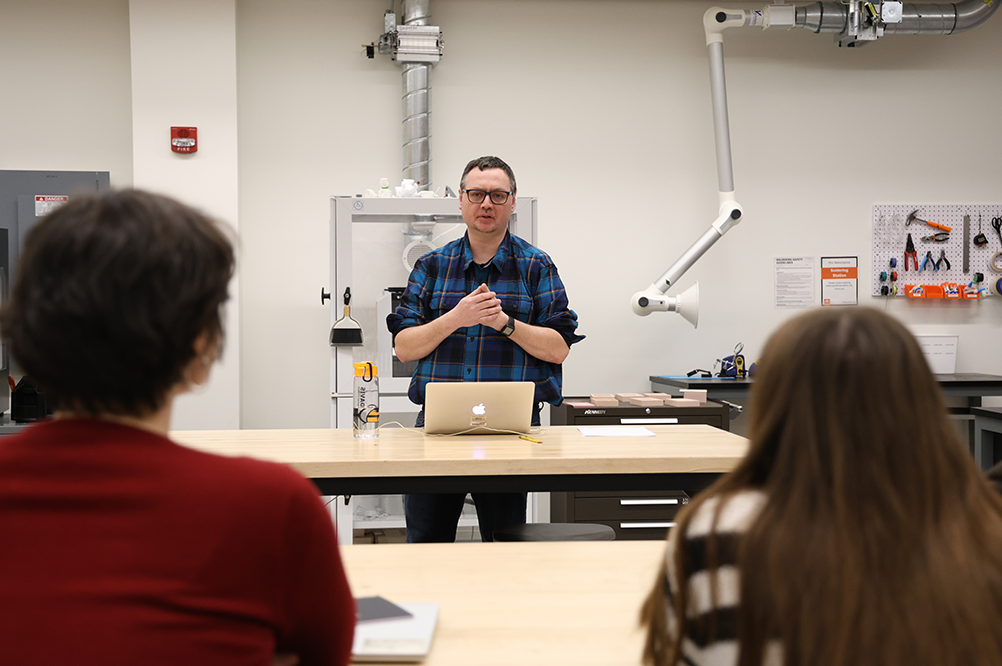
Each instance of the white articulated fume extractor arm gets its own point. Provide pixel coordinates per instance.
(729, 213)
(854, 22)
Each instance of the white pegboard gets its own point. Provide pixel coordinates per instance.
(890, 233)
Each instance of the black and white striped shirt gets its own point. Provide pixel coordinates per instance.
(711, 638)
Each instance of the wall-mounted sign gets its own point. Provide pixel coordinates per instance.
(839, 280)
(794, 282)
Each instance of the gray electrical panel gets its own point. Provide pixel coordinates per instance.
(25, 196)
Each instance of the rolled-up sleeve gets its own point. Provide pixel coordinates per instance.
(552, 305)
(412, 309)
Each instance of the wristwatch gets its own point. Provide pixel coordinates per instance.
(509, 328)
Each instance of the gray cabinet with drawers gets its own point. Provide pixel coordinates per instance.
(632, 514)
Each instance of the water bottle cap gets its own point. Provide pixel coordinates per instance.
(366, 369)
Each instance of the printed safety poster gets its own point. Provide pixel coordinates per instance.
(839, 280)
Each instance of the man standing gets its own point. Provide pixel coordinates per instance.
(486, 307)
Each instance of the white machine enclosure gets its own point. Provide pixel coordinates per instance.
(371, 249)
(367, 243)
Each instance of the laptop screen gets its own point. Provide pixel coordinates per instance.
(478, 408)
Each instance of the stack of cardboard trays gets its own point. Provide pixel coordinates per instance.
(699, 395)
(690, 398)
(604, 400)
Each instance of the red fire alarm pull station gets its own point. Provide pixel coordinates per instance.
(184, 139)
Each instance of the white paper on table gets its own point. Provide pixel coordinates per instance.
(606, 431)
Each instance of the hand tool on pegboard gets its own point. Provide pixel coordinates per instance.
(967, 243)
(942, 260)
(929, 261)
(910, 252)
(980, 240)
(912, 218)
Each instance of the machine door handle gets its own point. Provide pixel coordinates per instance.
(649, 420)
(646, 502)
(645, 526)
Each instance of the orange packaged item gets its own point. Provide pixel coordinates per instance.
(933, 291)
(970, 291)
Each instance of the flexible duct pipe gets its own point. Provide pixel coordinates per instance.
(417, 104)
(971, 14)
(936, 19)
(917, 19)
(925, 20)
(823, 17)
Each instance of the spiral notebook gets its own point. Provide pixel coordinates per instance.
(404, 639)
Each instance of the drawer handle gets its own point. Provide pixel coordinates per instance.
(646, 502)
(649, 421)
(644, 526)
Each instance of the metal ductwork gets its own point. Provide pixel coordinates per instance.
(417, 104)
(857, 21)
(853, 22)
(417, 46)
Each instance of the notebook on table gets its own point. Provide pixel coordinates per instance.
(477, 408)
(396, 638)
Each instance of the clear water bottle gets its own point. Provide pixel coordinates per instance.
(365, 401)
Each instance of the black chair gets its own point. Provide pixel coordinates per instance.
(555, 532)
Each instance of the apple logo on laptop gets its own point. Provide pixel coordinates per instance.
(479, 417)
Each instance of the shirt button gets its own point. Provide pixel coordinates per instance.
(469, 370)
(472, 338)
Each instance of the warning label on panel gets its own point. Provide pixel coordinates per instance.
(46, 203)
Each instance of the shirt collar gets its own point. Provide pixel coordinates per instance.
(499, 257)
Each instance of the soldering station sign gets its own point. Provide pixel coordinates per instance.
(839, 280)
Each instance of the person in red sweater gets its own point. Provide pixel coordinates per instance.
(117, 545)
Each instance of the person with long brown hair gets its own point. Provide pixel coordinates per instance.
(857, 529)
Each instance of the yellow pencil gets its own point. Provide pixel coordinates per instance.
(530, 439)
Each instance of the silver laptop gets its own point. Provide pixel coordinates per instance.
(397, 639)
(477, 408)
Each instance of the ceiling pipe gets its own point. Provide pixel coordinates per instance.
(417, 104)
(416, 46)
(853, 21)
(857, 22)
(971, 14)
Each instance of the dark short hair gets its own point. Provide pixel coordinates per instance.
(488, 162)
(111, 292)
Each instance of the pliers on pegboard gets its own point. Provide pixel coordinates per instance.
(910, 251)
(938, 237)
(942, 260)
(929, 260)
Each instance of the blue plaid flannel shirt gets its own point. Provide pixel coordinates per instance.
(526, 281)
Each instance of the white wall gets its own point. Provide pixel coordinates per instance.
(603, 110)
(184, 75)
(64, 73)
(95, 86)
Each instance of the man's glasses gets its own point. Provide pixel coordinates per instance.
(498, 197)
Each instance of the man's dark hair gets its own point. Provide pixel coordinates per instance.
(488, 162)
(111, 292)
